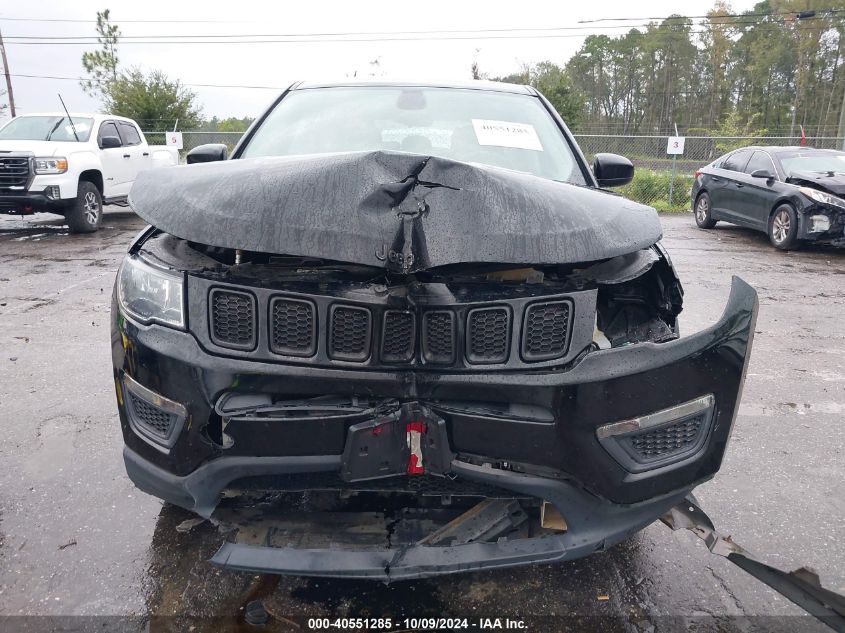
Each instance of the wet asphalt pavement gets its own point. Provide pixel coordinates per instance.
(76, 538)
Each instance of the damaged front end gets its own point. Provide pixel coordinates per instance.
(373, 419)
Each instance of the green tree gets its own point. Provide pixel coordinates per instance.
(152, 99)
(233, 124)
(551, 80)
(101, 64)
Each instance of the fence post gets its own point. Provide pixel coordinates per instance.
(672, 182)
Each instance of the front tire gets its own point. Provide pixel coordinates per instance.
(86, 214)
(702, 212)
(783, 228)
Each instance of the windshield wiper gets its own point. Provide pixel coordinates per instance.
(55, 127)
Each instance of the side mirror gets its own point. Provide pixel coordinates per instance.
(612, 170)
(208, 153)
(762, 173)
(110, 142)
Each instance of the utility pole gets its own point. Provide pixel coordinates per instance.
(8, 77)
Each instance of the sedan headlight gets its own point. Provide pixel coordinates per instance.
(821, 196)
(53, 165)
(148, 294)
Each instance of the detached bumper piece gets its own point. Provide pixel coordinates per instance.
(801, 586)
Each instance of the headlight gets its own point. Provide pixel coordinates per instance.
(149, 294)
(821, 196)
(54, 165)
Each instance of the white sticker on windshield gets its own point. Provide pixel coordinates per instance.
(506, 134)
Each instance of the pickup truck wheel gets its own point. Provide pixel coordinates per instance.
(86, 214)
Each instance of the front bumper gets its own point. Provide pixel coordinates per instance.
(560, 460)
(33, 202)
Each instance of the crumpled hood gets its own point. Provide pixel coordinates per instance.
(403, 212)
(834, 184)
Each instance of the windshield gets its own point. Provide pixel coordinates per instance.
(493, 128)
(46, 128)
(820, 162)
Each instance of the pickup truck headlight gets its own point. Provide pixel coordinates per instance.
(52, 165)
(149, 294)
(821, 196)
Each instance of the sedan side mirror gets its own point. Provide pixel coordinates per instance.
(208, 153)
(110, 142)
(612, 170)
(762, 173)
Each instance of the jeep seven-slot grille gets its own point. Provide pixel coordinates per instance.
(546, 326)
(439, 337)
(14, 172)
(488, 335)
(349, 333)
(669, 440)
(398, 337)
(232, 319)
(293, 327)
(270, 325)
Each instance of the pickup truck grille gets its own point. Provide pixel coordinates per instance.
(495, 332)
(14, 172)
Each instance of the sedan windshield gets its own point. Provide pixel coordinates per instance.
(46, 128)
(813, 161)
(507, 130)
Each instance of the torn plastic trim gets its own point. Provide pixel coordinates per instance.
(594, 525)
(801, 586)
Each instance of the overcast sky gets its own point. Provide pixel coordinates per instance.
(278, 64)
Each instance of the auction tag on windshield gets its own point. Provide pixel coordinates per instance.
(506, 134)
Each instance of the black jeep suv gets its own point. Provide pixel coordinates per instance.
(407, 328)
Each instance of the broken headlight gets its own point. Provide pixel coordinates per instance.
(824, 198)
(150, 294)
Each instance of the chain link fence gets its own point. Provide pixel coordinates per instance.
(658, 180)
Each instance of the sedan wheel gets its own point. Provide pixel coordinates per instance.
(702, 212)
(783, 228)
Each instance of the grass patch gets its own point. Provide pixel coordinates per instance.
(652, 188)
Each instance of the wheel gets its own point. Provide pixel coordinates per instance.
(702, 212)
(783, 228)
(86, 214)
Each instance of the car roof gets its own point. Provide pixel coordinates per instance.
(80, 115)
(780, 149)
(475, 84)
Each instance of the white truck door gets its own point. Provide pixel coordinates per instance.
(138, 151)
(115, 161)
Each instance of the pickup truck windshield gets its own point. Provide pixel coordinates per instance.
(474, 126)
(46, 128)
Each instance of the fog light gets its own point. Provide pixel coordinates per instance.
(819, 223)
(53, 192)
(659, 438)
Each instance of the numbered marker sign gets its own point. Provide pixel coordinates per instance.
(675, 145)
(174, 139)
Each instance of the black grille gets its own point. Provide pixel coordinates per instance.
(488, 335)
(669, 440)
(14, 172)
(439, 337)
(293, 327)
(153, 419)
(398, 336)
(546, 327)
(349, 333)
(232, 316)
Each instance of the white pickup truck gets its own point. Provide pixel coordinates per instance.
(73, 165)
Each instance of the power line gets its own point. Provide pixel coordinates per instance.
(192, 85)
(376, 35)
(702, 17)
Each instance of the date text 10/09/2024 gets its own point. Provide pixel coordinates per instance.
(426, 624)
